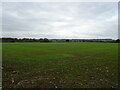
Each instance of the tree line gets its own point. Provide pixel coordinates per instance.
(25, 40)
(47, 40)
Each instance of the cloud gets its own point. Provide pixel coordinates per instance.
(60, 20)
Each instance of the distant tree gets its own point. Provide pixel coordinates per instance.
(41, 40)
(118, 40)
(20, 40)
(46, 40)
(34, 40)
(67, 40)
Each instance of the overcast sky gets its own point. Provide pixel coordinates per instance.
(60, 20)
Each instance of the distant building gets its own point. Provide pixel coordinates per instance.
(82, 40)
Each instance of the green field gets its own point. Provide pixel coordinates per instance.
(60, 65)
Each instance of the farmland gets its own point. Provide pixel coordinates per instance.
(60, 65)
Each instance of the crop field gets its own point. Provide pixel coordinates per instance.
(60, 65)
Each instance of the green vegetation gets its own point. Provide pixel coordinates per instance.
(60, 65)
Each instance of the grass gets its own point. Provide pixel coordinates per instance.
(60, 65)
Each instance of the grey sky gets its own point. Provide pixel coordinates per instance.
(60, 20)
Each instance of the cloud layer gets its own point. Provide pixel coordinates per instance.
(60, 20)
